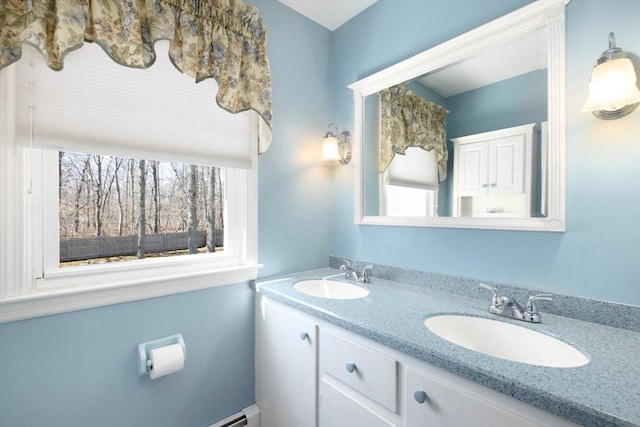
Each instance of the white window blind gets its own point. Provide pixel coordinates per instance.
(418, 168)
(172, 119)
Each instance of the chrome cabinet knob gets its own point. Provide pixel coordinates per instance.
(304, 336)
(351, 367)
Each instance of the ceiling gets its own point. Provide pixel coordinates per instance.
(329, 13)
(486, 68)
(523, 55)
(519, 56)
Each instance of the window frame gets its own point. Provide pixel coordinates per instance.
(28, 246)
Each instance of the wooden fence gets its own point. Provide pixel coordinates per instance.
(80, 248)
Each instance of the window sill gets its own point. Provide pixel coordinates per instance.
(56, 301)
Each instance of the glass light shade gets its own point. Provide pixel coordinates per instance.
(330, 149)
(612, 86)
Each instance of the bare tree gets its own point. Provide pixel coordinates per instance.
(80, 185)
(156, 196)
(60, 160)
(102, 182)
(98, 194)
(181, 196)
(132, 181)
(75, 194)
(211, 210)
(192, 225)
(219, 202)
(119, 195)
(142, 189)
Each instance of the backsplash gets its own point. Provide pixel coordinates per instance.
(602, 312)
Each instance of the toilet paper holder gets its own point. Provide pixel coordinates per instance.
(144, 351)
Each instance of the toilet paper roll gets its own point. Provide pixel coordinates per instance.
(166, 360)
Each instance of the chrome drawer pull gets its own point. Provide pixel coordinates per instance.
(351, 367)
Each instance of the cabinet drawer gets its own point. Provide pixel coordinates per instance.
(367, 371)
(340, 410)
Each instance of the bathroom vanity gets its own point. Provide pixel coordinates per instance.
(372, 362)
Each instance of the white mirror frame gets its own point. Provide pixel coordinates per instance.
(542, 13)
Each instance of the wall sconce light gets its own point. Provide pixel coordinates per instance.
(613, 89)
(336, 147)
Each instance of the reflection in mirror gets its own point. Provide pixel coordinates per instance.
(469, 133)
(496, 173)
(477, 102)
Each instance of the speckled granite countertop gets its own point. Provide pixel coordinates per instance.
(605, 392)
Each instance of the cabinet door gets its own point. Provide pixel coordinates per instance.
(285, 366)
(338, 409)
(506, 165)
(447, 404)
(472, 174)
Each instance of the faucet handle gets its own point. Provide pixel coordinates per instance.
(365, 273)
(531, 306)
(346, 265)
(495, 300)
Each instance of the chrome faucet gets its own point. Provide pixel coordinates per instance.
(350, 273)
(364, 277)
(346, 267)
(507, 307)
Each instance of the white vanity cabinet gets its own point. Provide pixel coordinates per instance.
(336, 378)
(494, 172)
(438, 398)
(286, 387)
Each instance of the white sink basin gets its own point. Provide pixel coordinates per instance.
(505, 341)
(331, 289)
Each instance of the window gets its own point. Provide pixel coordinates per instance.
(410, 202)
(55, 193)
(410, 185)
(115, 209)
(51, 272)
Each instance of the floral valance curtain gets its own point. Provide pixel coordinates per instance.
(408, 120)
(220, 39)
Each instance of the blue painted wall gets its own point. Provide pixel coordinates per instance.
(512, 102)
(80, 369)
(294, 185)
(599, 254)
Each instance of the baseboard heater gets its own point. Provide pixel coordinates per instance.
(236, 420)
(248, 417)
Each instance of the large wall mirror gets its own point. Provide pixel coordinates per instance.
(470, 133)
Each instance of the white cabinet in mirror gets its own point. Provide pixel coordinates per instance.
(495, 174)
(408, 179)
